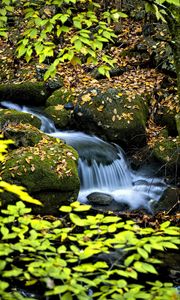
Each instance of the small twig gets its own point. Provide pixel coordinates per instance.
(171, 209)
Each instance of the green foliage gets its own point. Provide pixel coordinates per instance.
(164, 9)
(64, 30)
(3, 147)
(80, 255)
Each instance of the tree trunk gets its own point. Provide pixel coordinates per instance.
(177, 57)
(174, 28)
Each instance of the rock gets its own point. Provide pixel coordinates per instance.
(166, 117)
(113, 206)
(23, 135)
(93, 149)
(16, 117)
(170, 266)
(112, 115)
(115, 71)
(27, 93)
(69, 106)
(139, 15)
(48, 166)
(166, 150)
(59, 115)
(60, 96)
(148, 29)
(53, 200)
(54, 84)
(141, 48)
(100, 198)
(168, 201)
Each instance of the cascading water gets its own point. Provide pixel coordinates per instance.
(103, 167)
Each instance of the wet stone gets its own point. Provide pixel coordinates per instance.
(69, 106)
(100, 198)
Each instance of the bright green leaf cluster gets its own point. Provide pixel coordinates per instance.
(59, 31)
(81, 252)
(80, 255)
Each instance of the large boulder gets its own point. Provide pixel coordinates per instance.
(166, 150)
(27, 93)
(100, 198)
(59, 115)
(22, 135)
(59, 107)
(168, 202)
(167, 117)
(112, 114)
(109, 113)
(60, 96)
(48, 170)
(12, 116)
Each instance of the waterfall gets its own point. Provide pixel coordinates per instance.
(102, 166)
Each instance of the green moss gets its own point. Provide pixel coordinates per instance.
(46, 166)
(118, 117)
(23, 134)
(13, 116)
(166, 150)
(166, 117)
(60, 96)
(32, 93)
(60, 116)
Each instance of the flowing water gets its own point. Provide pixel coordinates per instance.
(103, 167)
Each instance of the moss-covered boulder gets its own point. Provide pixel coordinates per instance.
(23, 135)
(166, 117)
(168, 202)
(166, 150)
(59, 115)
(120, 118)
(16, 117)
(59, 107)
(60, 96)
(27, 93)
(47, 168)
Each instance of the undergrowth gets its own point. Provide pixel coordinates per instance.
(80, 255)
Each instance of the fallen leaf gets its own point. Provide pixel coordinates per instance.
(100, 108)
(59, 107)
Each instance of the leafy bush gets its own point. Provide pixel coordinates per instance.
(80, 256)
(61, 30)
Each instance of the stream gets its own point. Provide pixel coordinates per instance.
(103, 167)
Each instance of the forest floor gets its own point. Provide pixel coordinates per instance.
(133, 54)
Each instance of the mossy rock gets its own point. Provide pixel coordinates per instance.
(166, 150)
(16, 117)
(23, 135)
(113, 114)
(48, 166)
(53, 200)
(177, 118)
(59, 115)
(168, 201)
(60, 96)
(166, 117)
(27, 93)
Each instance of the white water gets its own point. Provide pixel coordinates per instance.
(103, 167)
